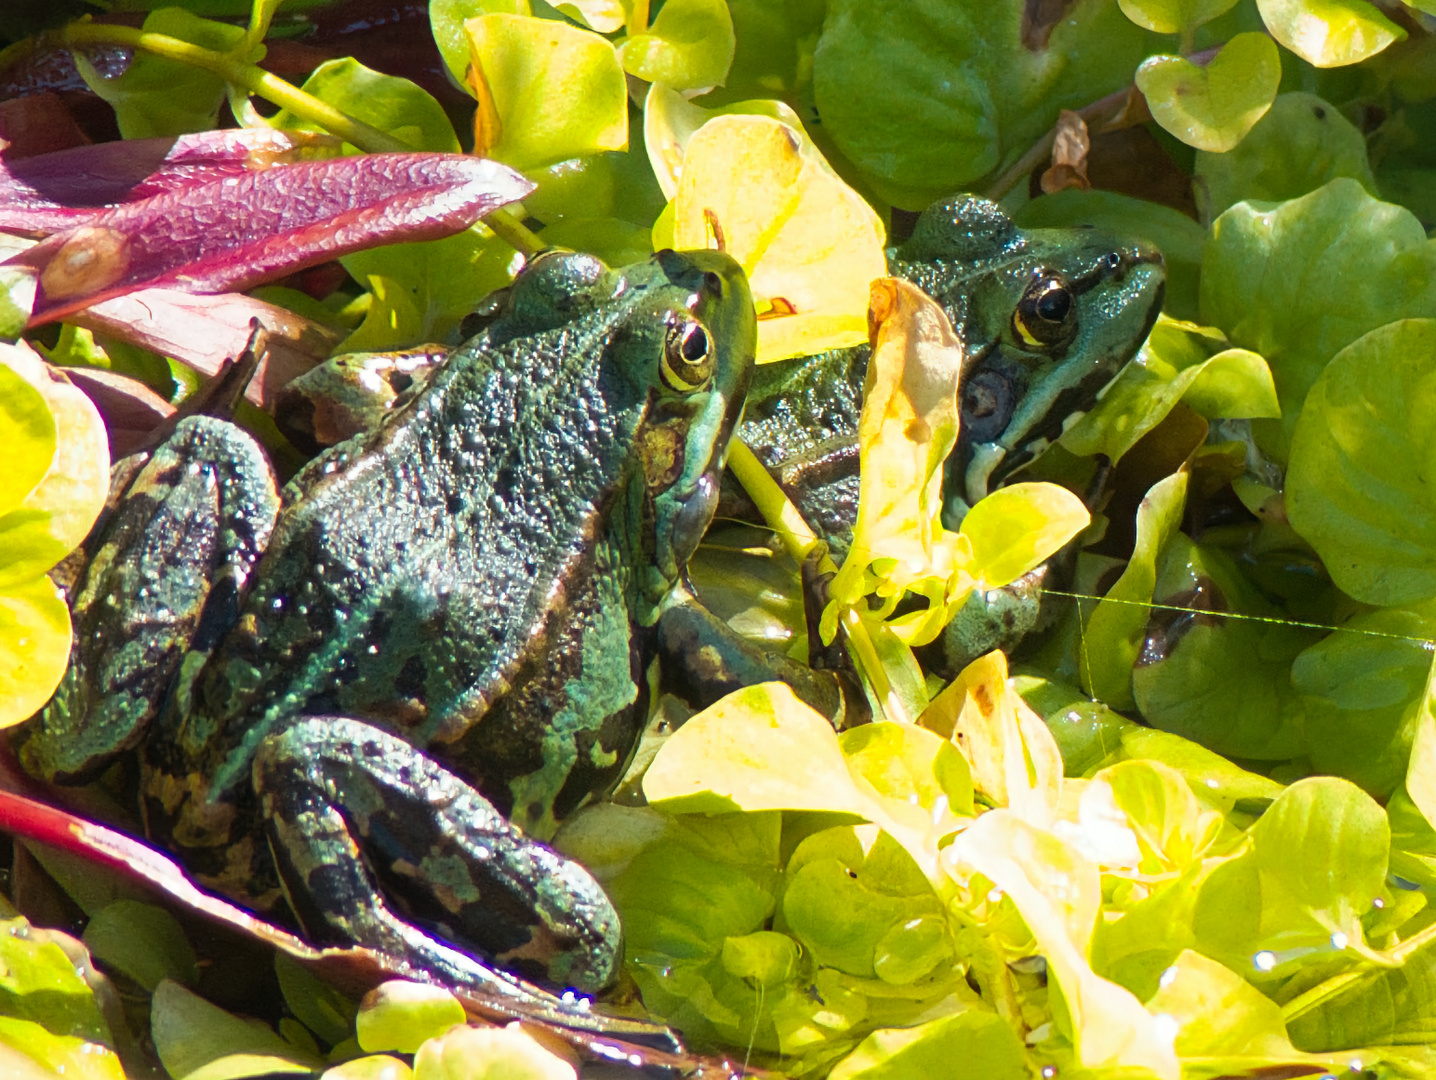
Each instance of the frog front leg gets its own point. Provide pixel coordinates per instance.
(378, 844)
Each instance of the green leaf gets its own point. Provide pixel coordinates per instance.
(1174, 365)
(1087, 732)
(1213, 108)
(1270, 272)
(1178, 237)
(27, 431)
(689, 46)
(927, 96)
(700, 882)
(422, 291)
(1213, 778)
(1117, 628)
(1364, 686)
(156, 96)
(1017, 527)
(1059, 894)
(1317, 860)
(39, 984)
(868, 913)
(984, 1043)
(399, 1015)
(1300, 144)
(1357, 488)
(387, 102)
(1171, 827)
(376, 1067)
(316, 1004)
(143, 941)
(199, 1041)
(549, 91)
(1221, 682)
(447, 18)
(1174, 16)
(1391, 1006)
(1329, 33)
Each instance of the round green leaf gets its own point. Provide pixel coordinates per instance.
(1358, 489)
(27, 431)
(143, 941)
(1212, 108)
(1017, 527)
(689, 45)
(1270, 272)
(553, 90)
(1329, 33)
(1174, 16)
(1299, 145)
(489, 1053)
(400, 1015)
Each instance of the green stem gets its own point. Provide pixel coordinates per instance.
(284, 94)
(800, 540)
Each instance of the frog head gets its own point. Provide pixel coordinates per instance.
(1048, 316)
(676, 339)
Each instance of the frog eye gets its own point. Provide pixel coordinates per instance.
(1043, 315)
(687, 357)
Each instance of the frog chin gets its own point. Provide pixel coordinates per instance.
(688, 515)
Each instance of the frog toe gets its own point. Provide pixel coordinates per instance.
(379, 845)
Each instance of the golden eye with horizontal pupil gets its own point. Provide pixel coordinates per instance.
(1042, 315)
(687, 358)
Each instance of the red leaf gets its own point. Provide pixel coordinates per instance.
(205, 331)
(354, 969)
(50, 192)
(234, 233)
(130, 408)
(38, 124)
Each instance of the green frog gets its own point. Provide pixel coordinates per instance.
(377, 692)
(1047, 318)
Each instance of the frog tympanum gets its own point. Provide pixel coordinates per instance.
(351, 692)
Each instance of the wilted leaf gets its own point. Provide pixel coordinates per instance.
(809, 244)
(1013, 757)
(1212, 108)
(1069, 155)
(235, 233)
(205, 331)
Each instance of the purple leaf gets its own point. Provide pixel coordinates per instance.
(50, 192)
(234, 233)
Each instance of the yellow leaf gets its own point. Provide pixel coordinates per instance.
(810, 245)
(1012, 755)
(909, 425)
(547, 91)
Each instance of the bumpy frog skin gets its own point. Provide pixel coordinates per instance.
(479, 578)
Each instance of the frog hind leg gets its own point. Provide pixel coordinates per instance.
(364, 827)
(162, 584)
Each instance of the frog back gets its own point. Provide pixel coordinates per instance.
(414, 569)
